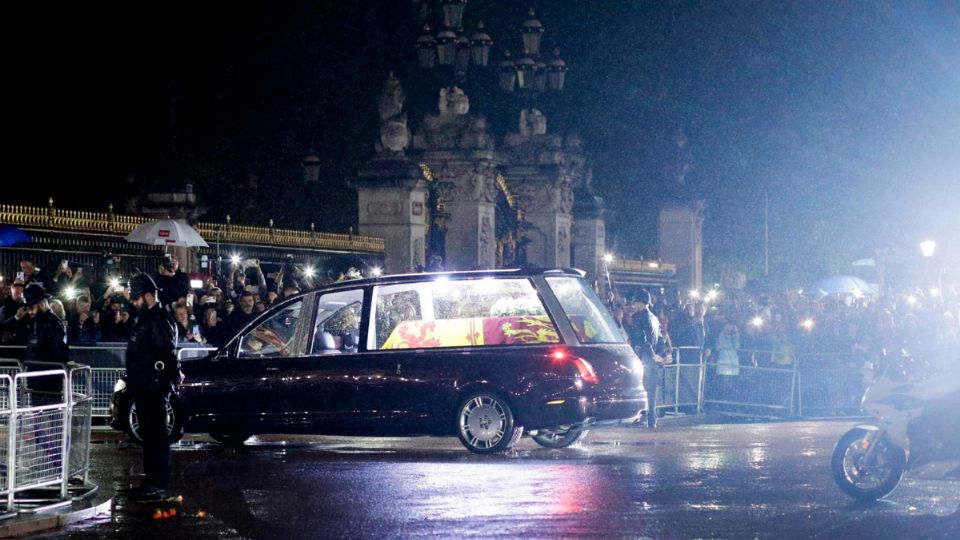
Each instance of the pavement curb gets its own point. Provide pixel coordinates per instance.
(33, 523)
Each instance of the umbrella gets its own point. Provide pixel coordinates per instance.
(166, 232)
(842, 285)
(10, 235)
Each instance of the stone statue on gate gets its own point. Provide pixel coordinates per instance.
(532, 122)
(394, 135)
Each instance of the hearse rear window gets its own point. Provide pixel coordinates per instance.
(460, 313)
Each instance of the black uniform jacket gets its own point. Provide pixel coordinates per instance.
(49, 343)
(153, 339)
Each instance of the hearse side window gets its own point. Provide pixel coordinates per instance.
(283, 334)
(461, 313)
(338, 322)
(590, 320)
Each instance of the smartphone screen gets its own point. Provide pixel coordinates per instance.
(196, 329)
(19, 275)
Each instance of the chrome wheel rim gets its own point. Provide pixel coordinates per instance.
(134, 421)
(483, 422)
(866, 476)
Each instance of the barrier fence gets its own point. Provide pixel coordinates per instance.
(762, 383)
(45, 420)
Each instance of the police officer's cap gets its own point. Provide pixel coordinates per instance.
(142, 284)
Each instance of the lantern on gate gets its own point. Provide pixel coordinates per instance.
(480, 43)
(426, 48)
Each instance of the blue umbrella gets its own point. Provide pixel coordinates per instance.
(10, 235)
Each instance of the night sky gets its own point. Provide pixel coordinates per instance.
(846, 113)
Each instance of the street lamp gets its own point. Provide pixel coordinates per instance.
(480, 43)
(426, 48)
(462, 61)
(453, 13)
(556, 72)
(928, 247)
(311, 168)
(532, 32)
(507, 75)
(446, 47)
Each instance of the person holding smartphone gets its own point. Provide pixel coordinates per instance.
(14, 330)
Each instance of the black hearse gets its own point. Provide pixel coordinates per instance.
(481, 355)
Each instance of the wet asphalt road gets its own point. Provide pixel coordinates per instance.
(706, 481)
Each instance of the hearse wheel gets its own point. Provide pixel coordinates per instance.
(174, 421)
(485, 423)
(561, 437)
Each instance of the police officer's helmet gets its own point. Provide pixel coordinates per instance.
(142, 284)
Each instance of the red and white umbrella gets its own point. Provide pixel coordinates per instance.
(166, 232)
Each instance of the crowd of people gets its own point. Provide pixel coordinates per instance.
(104, 312)
(780, 330)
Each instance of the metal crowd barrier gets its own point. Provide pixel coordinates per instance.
(682, 381)
(830, 391)
(45, 460)
(752, 390)
(762, 385)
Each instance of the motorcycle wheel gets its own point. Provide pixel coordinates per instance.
(867, 481)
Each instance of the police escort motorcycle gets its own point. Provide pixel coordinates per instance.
(914, 428)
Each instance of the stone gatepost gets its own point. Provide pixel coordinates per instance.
(588, 246)
(542, 174)
(680, 239)
(392, 197)
(455, 146)
(470, 198)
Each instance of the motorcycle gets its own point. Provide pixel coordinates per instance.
(914, 429)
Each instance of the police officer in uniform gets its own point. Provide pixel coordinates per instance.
(152, 376)
(644, 332)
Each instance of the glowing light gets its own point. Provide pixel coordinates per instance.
(196, 283)
(558, 355)
(911, 299)
(694, 293)
(711, 295)
(309, 271)
(928, 247)
(608, 258)
(757, 321)
(808, 324)
(653, 264)
(376, 271)
(934, 292)
(235, 259)
(114, 283)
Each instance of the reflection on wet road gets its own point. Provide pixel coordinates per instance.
(722, 481)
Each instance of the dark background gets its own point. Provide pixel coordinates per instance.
(847, 114)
